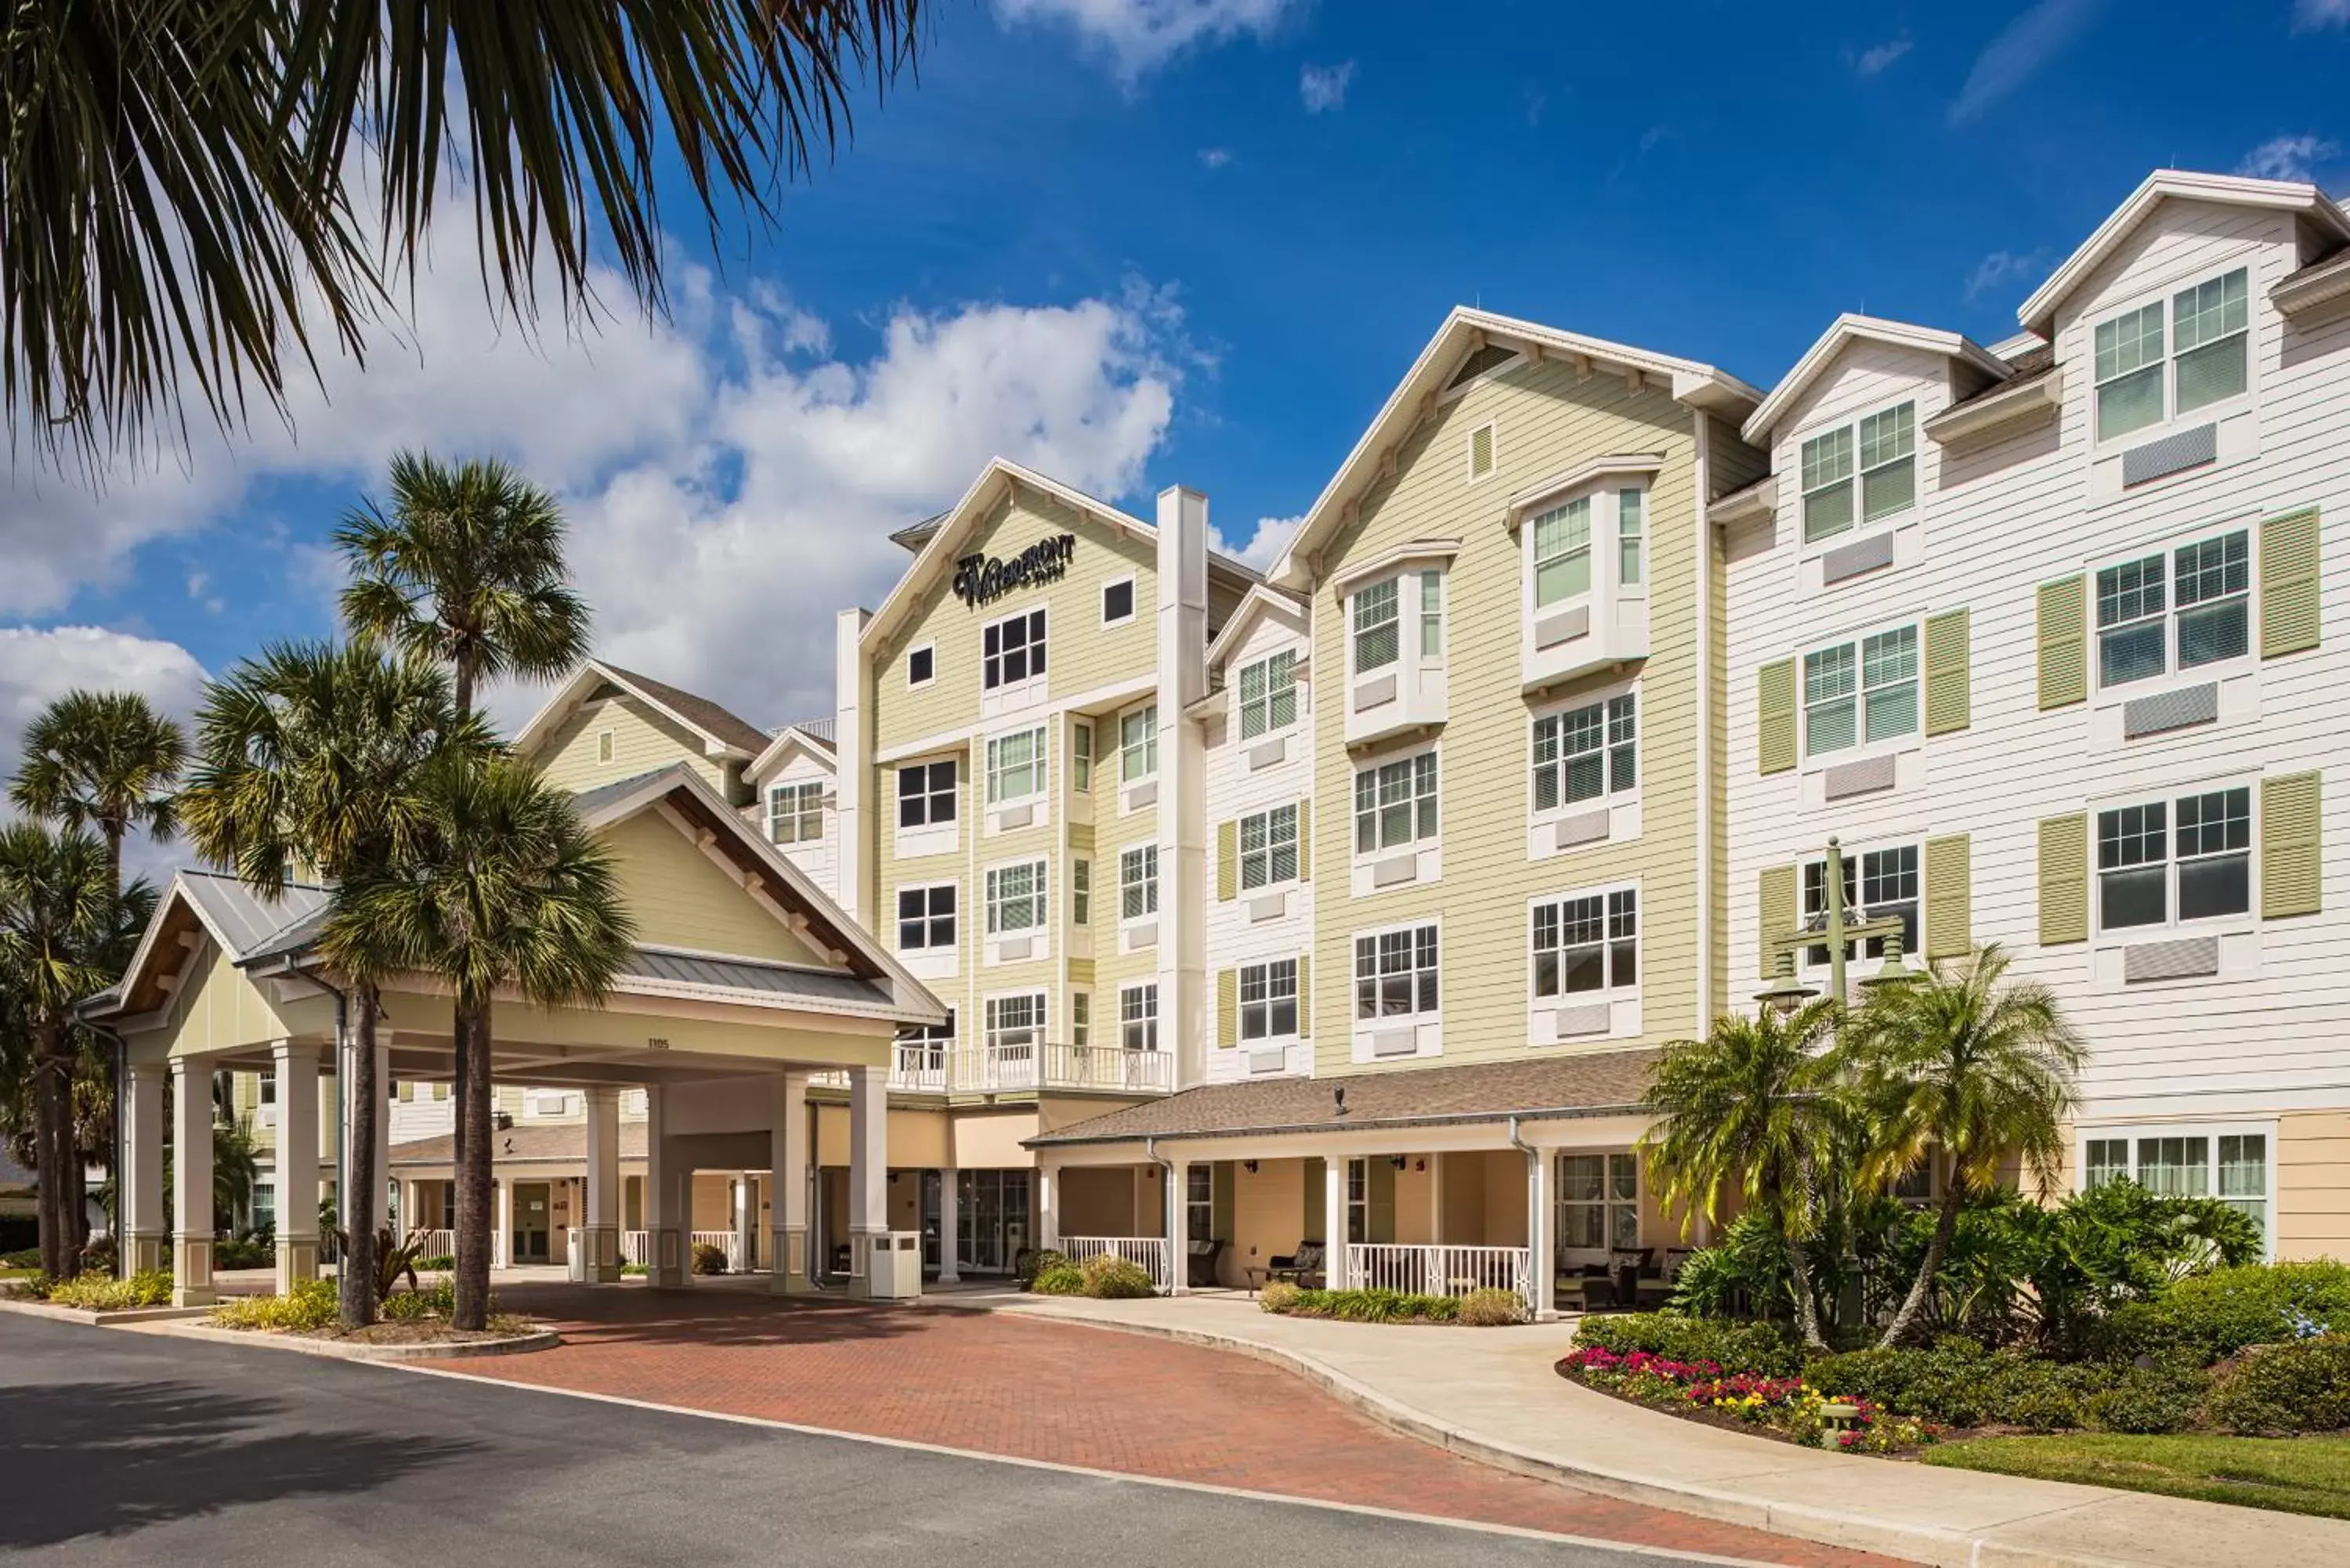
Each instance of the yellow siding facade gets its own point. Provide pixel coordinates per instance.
(642, 740)
(681, 898)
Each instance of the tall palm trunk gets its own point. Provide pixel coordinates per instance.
(474, 1207)
(355, 1293)
(1799, 1263)
(1946, 1225)
(53, 1143)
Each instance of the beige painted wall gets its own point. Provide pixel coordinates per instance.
(2312, 1200)
(1110, 1200)
(1268, 1206)
(981, 1139)
(680, 898)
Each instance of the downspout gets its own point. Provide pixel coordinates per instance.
(1705, 867)
(1168, 1200)
(1540, 1289)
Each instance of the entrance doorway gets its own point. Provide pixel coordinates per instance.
(534, 1233)
(992, 1220)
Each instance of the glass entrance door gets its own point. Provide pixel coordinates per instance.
(931, 1189)
(533, 1223)
(992, 1224)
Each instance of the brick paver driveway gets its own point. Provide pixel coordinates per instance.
(998, 1384)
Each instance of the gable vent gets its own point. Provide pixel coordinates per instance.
(1491, 356)
(1480, 451)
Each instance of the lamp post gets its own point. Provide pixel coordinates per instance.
(1785, 994)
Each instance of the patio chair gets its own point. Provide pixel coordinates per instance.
(1303, 1267)
(1200, 1270)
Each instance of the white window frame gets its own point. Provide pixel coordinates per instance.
(930, 794)
(1081, 1018)
(1038, 766)
(1265, 854)
(995, 1030)
(928, 919)
(1267, 704)
(997, 901)
(2171, 618)
(1081, 890)
(2170, 798)
(1614, 709)
(2214, 1178)
(1138, 883)
(808, 797)
(1611, 1204)
(1863, 745)
(1855, 432)
(1812, 872)
(2165, 302)
(1137, 1015)
(1426, 805)
(1133, 602)
(1261, 999)
(992, 681)
(1426, 966)
(1394, 582)
(1431, 595)
(1081, 756)
(914, 682)
(1143, 751)
(607, 746)
(1199, 1201)
(1618, 914)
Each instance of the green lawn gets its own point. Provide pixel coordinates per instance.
(2297, 1475)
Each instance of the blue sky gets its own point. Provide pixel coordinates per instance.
(1138, 243)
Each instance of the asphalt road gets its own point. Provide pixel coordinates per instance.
(123, 1447)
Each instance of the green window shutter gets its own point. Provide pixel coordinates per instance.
(2065, 642)
(1949, 897)
(2063, 879)
(1221, 1212)
(1228, 1007)
(1774, 700)
(1778, 910)
(1379, 1198)
(1948, 682)
(1306, 841)
(2292, 864)
(1304, 997)
(2289, 611)
(1228, 859)
(1311, 1220)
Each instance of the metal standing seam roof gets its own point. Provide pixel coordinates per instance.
(246, 921)
(752, 974)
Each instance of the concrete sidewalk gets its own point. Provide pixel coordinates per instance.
(1492, 1394)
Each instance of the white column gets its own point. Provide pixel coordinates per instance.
(1542, 1234)
(192, 1181)
(949, 1221)
(1179, 1229)
(295, 1163)
(869, 1170)
(502, 1206)
(852, 782)
(599, 1242)
(1048, 1207)
(1182, 646)
(1334, 1221)
(1435, 1199)
(383, 1088)
(746, 1220)
(146, 1239)
(666, 1222)
(788, 1217)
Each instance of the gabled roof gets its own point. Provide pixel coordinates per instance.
(1849, 329)
(1465, 332)
(936, 540)
(1261, 600)
(805, 739)
(234, 916)
(724, 734)
(2317, 211)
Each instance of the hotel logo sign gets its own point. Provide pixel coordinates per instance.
(981, 578)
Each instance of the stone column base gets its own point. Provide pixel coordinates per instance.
(790, 1277)
(148, 1252)
(667, 1269)
(298, 1261)
(192, 1271)
(599, 1248)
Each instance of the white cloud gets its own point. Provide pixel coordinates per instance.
(2309, 15)
(1323, 89)
(2288, 157)
(1215, 156)
(1998, 269)
(2018, 52)
(1138, 36)
(1265, 546)
(1873, 60)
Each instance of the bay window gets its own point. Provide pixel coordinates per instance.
(1377, 632)
(1563, 552)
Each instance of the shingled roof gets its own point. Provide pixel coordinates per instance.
(699, 711)
(1557, 1086)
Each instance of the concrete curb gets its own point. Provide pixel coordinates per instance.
(261, 1339)
(1831, 1527)
(101, 1319)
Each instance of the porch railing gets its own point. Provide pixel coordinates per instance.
(1007, 1067)
(1146, 1252)
(637, 1248)
(1440, 1271)
(726, 1241)
(435, 1243)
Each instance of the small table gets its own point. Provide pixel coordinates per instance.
(1255, 1275)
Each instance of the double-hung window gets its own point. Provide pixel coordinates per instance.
(1081, 758)
(1586, 944)
(1586, 754)
(2184, 1162)
(1378, 630)
(1563, 552)
(1269, 694)
(796, 812)
(1138, 1017)
(1861, 692)
(1268, 848)
(1015, 898)
(1598, 1201)
(1860, 475)
(2138, 385)
(1138, 745)
(1396, 974)
(926, 793)
(1631, 524)
(1432, 614)
(2175, 610)
(1199, 1201)
(1137, 882)
(926, 917)
(1011, 650)
(1015, 1024)
(1394, 804)
(1268, 999)
(1878, 885)
(1015, 765)
(1081, 891)
(2166, 862)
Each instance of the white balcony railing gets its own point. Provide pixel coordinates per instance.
(919, 1066)
(1440, 1271)
(970, 1067)
(726, 1241)
(1146, 1253)
(435, 1243)
(637, 1248)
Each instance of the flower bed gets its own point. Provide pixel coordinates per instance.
(1789, 1407)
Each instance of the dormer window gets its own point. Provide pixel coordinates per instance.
(1269, 694)
(1860, 475)
(2138, 385)
(796, 812)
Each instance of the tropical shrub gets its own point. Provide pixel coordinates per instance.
(1279, 1297)
(245, 1253)
(2149, 1399)
(99, 1256)
(96, 1293)
(1361, 1306)
(437, 1300)
(1061, 1278)
(709, 1260)
(2098, 1252)
(1747, 1346)
(29, 1258)
(308, 1305)
(1031, 1262)
(1492, 1308)
(1803, 1409)
(442, 1263)
(1111, 1278)
(1957, 1382)
(2300, 1387)
(2210, 1317)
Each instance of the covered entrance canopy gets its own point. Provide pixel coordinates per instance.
(745, 978)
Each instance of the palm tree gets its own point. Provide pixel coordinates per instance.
(1754, 1109)
(515, 892)
(315, 757)
(467, 570)
(56, 912)
(197, 187)
(1966, 1071)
